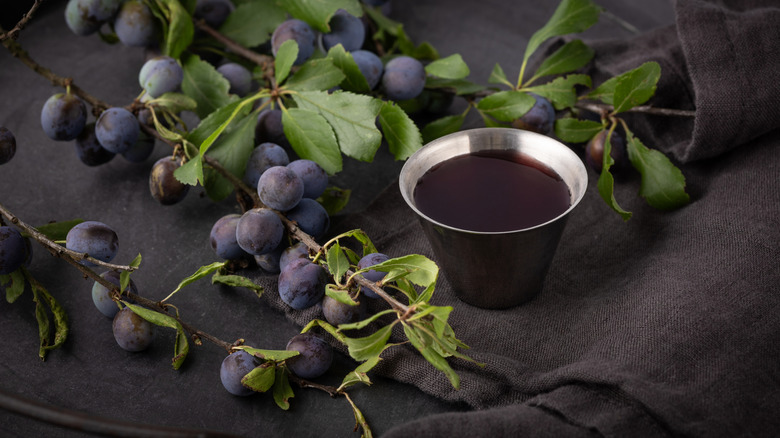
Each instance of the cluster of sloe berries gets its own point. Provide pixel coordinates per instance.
(132, 21)
(402, 77)
(314, 359)
(100, 241)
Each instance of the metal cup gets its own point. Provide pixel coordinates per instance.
(495, 270)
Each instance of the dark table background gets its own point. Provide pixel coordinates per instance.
(46, 182)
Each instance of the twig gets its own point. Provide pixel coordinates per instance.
(18, 52)
(257, 58)
(646, 109)
(58, 250)
(14, 32)
(303, 383)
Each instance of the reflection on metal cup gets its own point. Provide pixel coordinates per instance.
(495, 270)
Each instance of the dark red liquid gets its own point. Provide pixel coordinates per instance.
(491, 191)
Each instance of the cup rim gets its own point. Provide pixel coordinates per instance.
(475, 131)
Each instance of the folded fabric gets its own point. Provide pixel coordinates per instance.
(663, 325)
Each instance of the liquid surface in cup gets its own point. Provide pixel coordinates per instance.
(491, 191)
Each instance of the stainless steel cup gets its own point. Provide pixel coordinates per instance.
(495, 270)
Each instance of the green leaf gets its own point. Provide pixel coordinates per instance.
(606, 182)
(211, 123)
(42, 299)
(571, 16)
(13, 284)
(236, 115)
(282, 392)
(334, 199)
(353, 79)
(261, 378)
(327, 327)
(337, 261)
(232, 150)
(237, 281)
(663, 184)
(460, 87)
(274, 355)
(340, 295)
(491, 122)
(203, 271)
(424, 344)
(567, 58)
(44, 325)
(57, 230)
(124, 276)
(190, 172)
(360, 236)
(560, 91)
(443, 126)
(352, 117)
(360, 374)
(284, 60)
(605, 92)
(416, 268)
(451, 67)
(315, 75)
(497, 76)
(317, 13)
(160, 127)
(366, 322)
(365, 348)
(174, 102)
(576, 131)
(182, 347)
(252, 23)
(506, 106)
(312, 138)
(360, 419)
(180, 28)
(636, 86)
(402, 136)
(204, 84)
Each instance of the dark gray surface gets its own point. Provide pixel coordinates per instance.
(46, 182)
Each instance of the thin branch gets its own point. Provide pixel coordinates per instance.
(257, 58)
(14, 32)
(58, 250)
(18, 52)
(646, 109)
(303, 383)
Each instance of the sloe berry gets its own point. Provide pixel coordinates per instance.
(132, 332)
(234, 367)
(13, 250)
(404, 78)
(63, 117)
(163, 185)
(280, 188)
(302, 283)
(294, 29)
(315, 356)
(95, 238)
(372, 275)
(259, 231)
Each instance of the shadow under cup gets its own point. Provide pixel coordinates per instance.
(495, 270)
